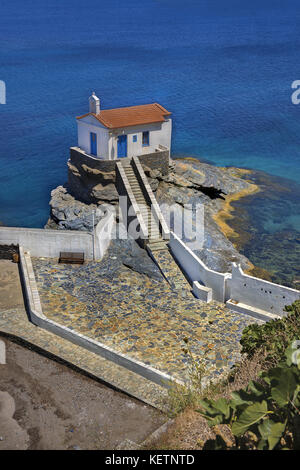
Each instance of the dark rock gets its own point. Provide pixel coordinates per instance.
(67, 213)
(188, 182)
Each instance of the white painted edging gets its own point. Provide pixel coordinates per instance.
(251, 311)
(38, 318)
(103, 235)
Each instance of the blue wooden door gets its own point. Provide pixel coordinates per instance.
(122, 146)
(93, 137)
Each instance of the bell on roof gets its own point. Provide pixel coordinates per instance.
(94, 103)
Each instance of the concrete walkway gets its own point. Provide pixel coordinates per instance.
(171, 271)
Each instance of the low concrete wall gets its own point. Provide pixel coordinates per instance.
(251, 311)
(260, 294)
(150, 198)
(246, 294)
(202, 292)
(38, 318)
(48, 243)
(196, 270)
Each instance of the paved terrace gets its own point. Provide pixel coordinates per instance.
(138, 315)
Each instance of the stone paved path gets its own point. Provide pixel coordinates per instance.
(139, 316)
(172, 272)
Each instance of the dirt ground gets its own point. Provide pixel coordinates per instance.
(46, 405)
(10, 287)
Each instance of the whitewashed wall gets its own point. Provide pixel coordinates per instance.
(251, 292)
(159, 134)
(196, 270)
(49, 243)
(107, 140)
(87, 125)
(260, 294)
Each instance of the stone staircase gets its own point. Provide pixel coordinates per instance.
(154, 237)
(155, 244)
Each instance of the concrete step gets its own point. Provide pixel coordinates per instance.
(141, 202)
(154, 245)
(154, 235)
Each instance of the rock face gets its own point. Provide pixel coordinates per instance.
(92, 181)
(90, 184)
(189, 181)
(66, 213)
(192, 182)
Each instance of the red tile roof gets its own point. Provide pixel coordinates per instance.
(131, 116)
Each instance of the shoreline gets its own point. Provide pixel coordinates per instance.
(264, 227)
(225, 213)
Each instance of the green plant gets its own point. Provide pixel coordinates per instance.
(196, 368)
(181, 397)
(274, 336)
(265, 415)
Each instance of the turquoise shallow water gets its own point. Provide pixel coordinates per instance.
(268, 224)
(223, 68)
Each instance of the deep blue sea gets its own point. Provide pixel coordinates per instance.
(224, 68)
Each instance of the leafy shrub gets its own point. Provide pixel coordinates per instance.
(273, 336)
(265, 415)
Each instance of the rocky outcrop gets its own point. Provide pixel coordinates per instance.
(67, 213)
(192, 182)
(90, 185)
(188, 182)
